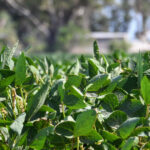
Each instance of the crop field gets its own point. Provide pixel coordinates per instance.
(88, 103)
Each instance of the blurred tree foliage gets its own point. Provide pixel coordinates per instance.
(57, 24)
(47, 20)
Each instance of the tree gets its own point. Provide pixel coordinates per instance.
(47, 17)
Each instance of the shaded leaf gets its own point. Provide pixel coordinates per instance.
(20, 70)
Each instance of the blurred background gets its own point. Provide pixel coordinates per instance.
(73, 25)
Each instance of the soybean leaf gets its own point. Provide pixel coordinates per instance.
(98, 82)
(129, 143)
(65, 128)
(20, 74)
(37, 101)
(73, 80)
(7, 81)
(133, 108)
(40, 138)
(6, 72)
(96, 50)
(46, 108)
(74, 102)
(116, 118)
(139, 67)
(145, 90)
(20, 140)
(109, 136)
(6, 56)
(75, 91)
(17, 125)
(127, 127)
(110, 102)
(84, 123)
(93, 67)
(91, 138)
(74, 69)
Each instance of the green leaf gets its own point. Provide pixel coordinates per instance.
(109, 102)
(65, 128)
(17, 125)
(146, 146)
(61, 90)
(133, 108)
(140, 130)
(6, 56)
(73, 80)
(6, 72)
(46, 108)
(84, 123)
(75, 91)
(111, 137)
(74, 69)
(116, 118)
(7, 81)
(145, 90)
(139, 68)
(98, 82)
(40, 138)
(4, 134)
(91, 138)
(5, 122)
(93, 68)
(129, 143)
(37, 101)
(20, 74)
(74, 102)
(20, 140)
(127, 127)
(96, 50)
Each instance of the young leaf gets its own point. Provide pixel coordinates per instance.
(84, 123)
(37, 101)
(96, 50)
(92, 67)
(20, 74)
(145, 90)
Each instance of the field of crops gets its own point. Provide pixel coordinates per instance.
(92, 103)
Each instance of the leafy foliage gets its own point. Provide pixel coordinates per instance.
(93, 103)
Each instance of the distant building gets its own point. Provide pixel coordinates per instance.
(104, 39)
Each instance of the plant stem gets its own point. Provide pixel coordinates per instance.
(24, 100)
(78, 143)
(63, 110)
(147, 111)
